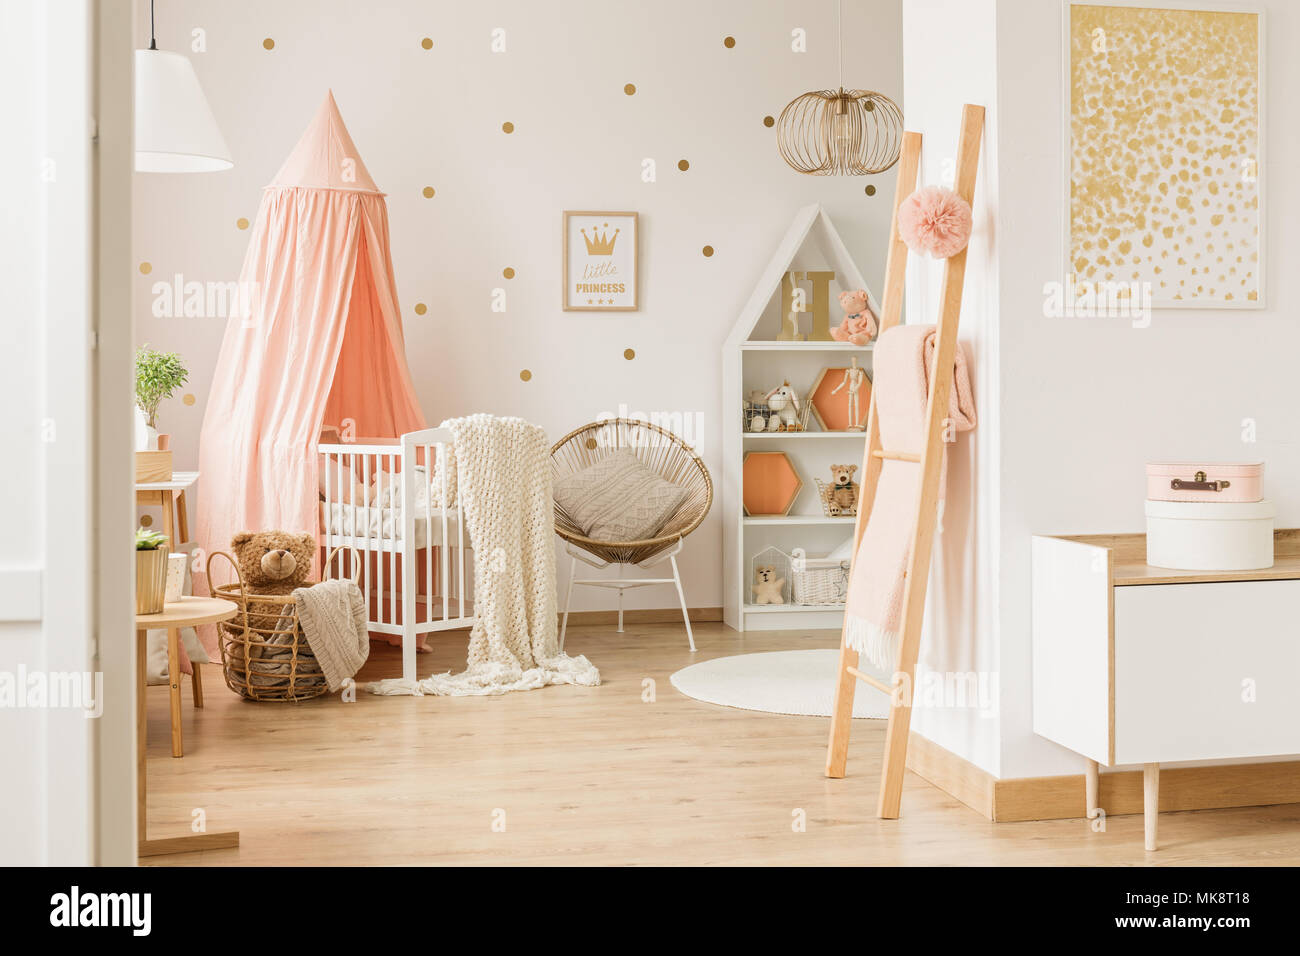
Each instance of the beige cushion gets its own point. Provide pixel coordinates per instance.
(618, 498)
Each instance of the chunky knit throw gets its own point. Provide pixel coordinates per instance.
(504, 481)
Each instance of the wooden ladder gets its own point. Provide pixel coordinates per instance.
(931, 461)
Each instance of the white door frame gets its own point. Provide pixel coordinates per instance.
(113, 475)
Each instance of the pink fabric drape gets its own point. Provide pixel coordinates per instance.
(322, 343)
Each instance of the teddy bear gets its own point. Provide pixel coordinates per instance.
(859, 325)
(271, 562)
(767, 586)
(841, 495)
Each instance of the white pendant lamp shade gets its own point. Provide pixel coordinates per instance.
(175, 131)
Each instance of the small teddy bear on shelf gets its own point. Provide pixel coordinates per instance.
(841, 495)
(859, 325)
(767, 586)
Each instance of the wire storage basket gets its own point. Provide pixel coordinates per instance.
(264, 652)
(818, 580)
(758, 416)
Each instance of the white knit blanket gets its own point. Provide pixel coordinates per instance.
(333, 616)
(504, 479)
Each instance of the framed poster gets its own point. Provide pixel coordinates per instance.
(1164, 147)
(600, 262)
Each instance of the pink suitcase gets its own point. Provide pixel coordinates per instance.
(1205, 481)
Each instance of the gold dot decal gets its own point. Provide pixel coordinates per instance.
(729, 42)
(507, 127)
(630, 89)
(427, 191)
(591, 443)
(683, 165)
(508, 272)
(188, 398)
(421, 308)
(708, 251)
(268, 44)
(768, 121)
(146, 521)
(869, 190)
(427, 43)
(146, 268)
(241, 223)
(525, 375)
(629, 354)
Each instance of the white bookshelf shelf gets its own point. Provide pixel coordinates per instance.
(767, 346)
(789, 608)
(796, 520)
(759, 436)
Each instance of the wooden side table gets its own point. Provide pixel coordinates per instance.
(170, 495)
(187, 612)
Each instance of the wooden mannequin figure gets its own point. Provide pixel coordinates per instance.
(853, 379)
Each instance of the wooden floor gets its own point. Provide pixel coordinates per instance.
(599, 776)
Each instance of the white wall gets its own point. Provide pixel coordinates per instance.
(1072, 409)
(944, 69)
(434, 118)
(1087, 402)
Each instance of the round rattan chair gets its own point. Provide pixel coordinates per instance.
(670, 458)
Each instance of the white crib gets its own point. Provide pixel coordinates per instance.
(402, 532)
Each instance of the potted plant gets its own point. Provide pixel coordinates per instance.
(150, 571)
(157, 376)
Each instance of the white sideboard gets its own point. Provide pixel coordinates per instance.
(1141, 665)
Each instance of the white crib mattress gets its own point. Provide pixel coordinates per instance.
(378, 524)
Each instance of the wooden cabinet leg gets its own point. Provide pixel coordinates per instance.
(1092, 789)
(174, 685)
(1150, 801)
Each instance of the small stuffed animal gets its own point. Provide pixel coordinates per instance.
(274, 563)
(784, 403)
(859, 325)
(842, 493)
(767, 586)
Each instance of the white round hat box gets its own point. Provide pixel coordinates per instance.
(1210, 536)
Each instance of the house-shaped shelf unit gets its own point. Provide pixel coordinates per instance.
(754, 359)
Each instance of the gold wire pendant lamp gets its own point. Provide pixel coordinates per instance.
(840, 132)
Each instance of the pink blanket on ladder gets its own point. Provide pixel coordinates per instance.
(903, 357)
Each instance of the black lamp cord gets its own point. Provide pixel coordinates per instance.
(153, 43)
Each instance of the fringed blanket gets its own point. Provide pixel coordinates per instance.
(901, 387)
(333, 618)
(504, 479)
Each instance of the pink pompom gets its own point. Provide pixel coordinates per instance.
(935, 221)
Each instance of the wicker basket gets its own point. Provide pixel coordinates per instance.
(818, 580)
(264, 653)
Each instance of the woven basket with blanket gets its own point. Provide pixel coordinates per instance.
(265, 652)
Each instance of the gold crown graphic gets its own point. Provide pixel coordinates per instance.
(599, 245)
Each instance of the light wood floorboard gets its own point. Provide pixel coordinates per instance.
(597, 776)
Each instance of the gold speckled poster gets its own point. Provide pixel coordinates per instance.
(1164, 153)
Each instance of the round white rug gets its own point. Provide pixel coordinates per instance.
(778, 682)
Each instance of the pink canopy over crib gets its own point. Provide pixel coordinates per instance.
(323, 343)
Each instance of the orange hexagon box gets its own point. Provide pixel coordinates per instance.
(769, 483)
